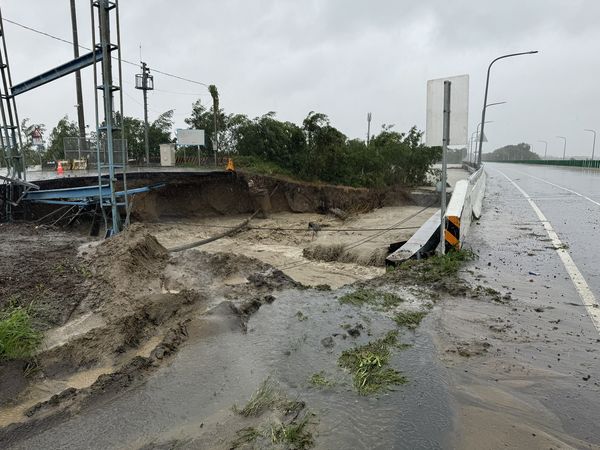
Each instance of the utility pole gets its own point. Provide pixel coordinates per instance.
(369, 116)
(145, 82)
(80, 115)
(445, 143)
(594, 144)
(564, 147)
(546, 149)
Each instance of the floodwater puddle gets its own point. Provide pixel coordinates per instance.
(215, 371)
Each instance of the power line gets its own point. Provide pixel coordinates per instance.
(66, 41)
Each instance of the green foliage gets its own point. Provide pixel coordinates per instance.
(436, 267)
(159, 132)
(294, 434)
(317, 151)
(381, 300)
(265, 397)
(368, 365)
(320, 380)
(64, 128)
(409, 319)
(517, 152)
(33, 154)
(18, 339)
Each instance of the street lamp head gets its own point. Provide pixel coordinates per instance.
(533, 51)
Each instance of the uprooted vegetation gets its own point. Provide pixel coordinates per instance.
(320, 380)
(369, 363)
(288, 422)
(409, 319)
(434, 269)
(383, 301)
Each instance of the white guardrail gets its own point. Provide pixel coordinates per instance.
(466, 202)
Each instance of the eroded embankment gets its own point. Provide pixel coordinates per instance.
(132, 309)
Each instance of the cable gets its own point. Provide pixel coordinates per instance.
(363, 241)
(326, 229)
(66, 41)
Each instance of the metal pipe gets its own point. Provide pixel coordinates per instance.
(487, 83)
(445, 143)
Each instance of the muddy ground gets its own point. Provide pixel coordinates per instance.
(153, 349)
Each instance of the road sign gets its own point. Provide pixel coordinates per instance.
(190, 137)
(459, 108)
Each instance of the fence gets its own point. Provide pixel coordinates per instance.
(588, 163)
(85, 153)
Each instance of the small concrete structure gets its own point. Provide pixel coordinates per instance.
(167, 154)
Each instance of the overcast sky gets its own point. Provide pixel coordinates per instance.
(340, 57)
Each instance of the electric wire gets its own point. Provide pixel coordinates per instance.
(66, 41)
(365, 240)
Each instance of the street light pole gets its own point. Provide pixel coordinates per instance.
(546, 149)
(594, 144)
(565, 145)
(485, 105)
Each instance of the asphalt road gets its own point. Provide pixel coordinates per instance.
(538, 240)
(570, 200)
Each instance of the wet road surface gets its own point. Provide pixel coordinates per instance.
(540, 383)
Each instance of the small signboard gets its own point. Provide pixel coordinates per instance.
(459, 111)
(190, 137)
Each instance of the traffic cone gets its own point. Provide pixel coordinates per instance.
(60, 169)
(230, 167)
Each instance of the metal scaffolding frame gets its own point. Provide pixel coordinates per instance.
(113, 123)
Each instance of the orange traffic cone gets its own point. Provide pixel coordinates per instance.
(230, 167)
(60, 169)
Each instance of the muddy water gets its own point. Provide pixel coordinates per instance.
(281, 239)
(215, 371)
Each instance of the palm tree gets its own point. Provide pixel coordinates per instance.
(214, 93)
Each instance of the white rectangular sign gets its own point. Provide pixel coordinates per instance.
(459, 111)
(190, 137)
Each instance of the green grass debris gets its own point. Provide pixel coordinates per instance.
(265, 397)
(18, 338)
(320, 380)
(368, 365)
(293, 435)
(434, 268)
(245, 436)
(380, 300)
(409, 319)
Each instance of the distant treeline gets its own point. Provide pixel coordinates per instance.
(517, 152)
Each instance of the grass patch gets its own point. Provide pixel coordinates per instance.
(409, 319)
(380, 300)
(436, 267)
(265, 397)
(294, 435)
(18, 338)
(245, 436)
(320, 380)
(368, 365)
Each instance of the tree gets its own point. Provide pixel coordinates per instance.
(203, 119)
(31, 152)
(215, 97)
(159, 132)
(64, 128)
(517, 152)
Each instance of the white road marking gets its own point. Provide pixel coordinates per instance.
(556, 185)
(587, 296)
